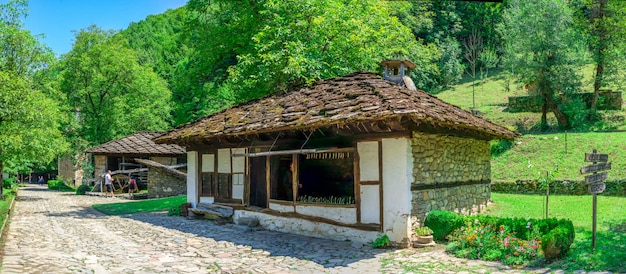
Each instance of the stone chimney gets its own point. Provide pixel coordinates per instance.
(397, 71)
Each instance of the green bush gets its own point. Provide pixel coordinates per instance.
(500, 146)
(58, 185)
(557, 242)
(7, 182)
(443, 223)
(82, 189)
(175, 211)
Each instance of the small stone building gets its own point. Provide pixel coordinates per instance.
(350, 157)
(126, 154)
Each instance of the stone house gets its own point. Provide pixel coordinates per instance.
(350, 157)
(139, 156)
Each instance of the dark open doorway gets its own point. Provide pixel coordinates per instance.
(258, 184)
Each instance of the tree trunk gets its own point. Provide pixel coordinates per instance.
(601, 31)
(2, 183)
(560, 116)
(544, 112)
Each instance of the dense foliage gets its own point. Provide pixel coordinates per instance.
(30, 117)
(175, 67)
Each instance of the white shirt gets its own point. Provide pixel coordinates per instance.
(107, 179)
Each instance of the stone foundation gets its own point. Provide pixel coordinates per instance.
(451, 173)
(465, 200)
(161, 184)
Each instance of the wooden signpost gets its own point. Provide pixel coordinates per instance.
(596, 182)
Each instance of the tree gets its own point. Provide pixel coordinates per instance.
(109, 92)
(541, 43)
(605, 27)
(247, 49)
(473, 47)
(29, 118)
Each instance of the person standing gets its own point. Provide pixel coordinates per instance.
(40, 180)
(132, 187)
(108, 182)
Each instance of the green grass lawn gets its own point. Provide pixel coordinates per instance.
(545, 151)
(610, 253)
(5, 202)
(141, 205)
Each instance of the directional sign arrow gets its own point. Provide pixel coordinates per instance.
(595, 178)
(594, 157)
(595, 168)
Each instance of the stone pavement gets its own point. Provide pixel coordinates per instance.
(55, 232)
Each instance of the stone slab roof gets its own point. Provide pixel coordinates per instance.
(355, 98)
(138, 143)
(163, 168)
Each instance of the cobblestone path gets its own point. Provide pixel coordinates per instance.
(55, 232)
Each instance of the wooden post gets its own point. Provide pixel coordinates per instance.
(547, 191)
(596, 184)
(593, 228)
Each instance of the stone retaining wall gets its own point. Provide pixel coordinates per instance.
(161, 184)
(451, 173)
(606, 101)
(615, 187)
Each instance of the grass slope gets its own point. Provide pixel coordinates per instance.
(545, 151)
(140, 205)
(491, 99)
(610, 253)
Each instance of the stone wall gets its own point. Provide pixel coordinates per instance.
(100, 165)
(66, 168)
(161, 184)
(451, 173)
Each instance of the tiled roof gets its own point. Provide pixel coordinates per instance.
(355, 98)
(138, 143)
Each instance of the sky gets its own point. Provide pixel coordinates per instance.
(56, 19)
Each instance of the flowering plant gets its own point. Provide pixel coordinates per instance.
(480, 241)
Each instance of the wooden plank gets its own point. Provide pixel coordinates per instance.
(596, 178)
(595, 168)
(595, 157)
(356, 171)
(597, 188)
(267, 181)
(380, 186)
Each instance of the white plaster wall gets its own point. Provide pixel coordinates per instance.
(206, 200)
(223, 160)
(237, 192)
(239, 163)
(192, 178)
(346, 215)
(308, 228)
(370, 204)
(397, 178)
(281, 208)
(368, 161)
(208, 162)
(237, 185)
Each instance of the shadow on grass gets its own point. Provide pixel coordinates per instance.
(609, 255)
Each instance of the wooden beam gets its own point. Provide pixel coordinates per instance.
(380, 186)
(355, 181)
